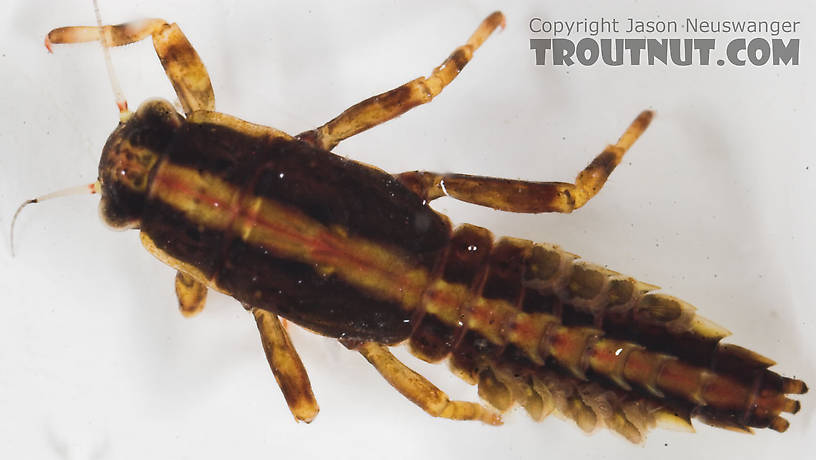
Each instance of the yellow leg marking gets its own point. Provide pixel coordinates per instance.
(383, 107)
(524, 196)
(191, 294)
(286, 366)
(178, 57)
(184, 69)
(422, 392)
(593, 177)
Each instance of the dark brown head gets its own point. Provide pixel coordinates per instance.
(130, 155)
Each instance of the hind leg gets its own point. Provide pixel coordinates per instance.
(523, 196)
(420, 391)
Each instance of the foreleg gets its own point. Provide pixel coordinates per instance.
(178, 57)
(391, 104)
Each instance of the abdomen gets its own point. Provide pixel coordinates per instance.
(533, 324)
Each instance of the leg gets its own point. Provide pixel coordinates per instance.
(286, 366)
(422, 392)
(523, 196)
(180, 60)
(383, 107)
(191, 294)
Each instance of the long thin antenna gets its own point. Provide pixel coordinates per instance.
(104, 39)
(76, 190)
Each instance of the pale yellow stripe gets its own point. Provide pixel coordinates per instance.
(288, 233)
(202, 197)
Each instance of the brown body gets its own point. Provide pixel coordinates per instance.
(346, 250)
(349, 251)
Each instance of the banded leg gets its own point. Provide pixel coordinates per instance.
(422, 392)
(391, 104)
(523, 196)
(178, 57)
(191, 294)
(286, 366)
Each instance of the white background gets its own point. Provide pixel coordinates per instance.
(714, 203)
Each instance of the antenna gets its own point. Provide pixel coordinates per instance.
(105, 40)
(76, 190)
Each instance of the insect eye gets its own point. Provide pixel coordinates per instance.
(144, 138)
(137, 138)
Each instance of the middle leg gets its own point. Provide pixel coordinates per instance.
(191, 294)
(286, 365)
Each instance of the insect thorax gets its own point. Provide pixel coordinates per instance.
(130, 155)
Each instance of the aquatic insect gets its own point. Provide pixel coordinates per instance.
(351, 252)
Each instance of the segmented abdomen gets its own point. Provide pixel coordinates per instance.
(532, 324)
